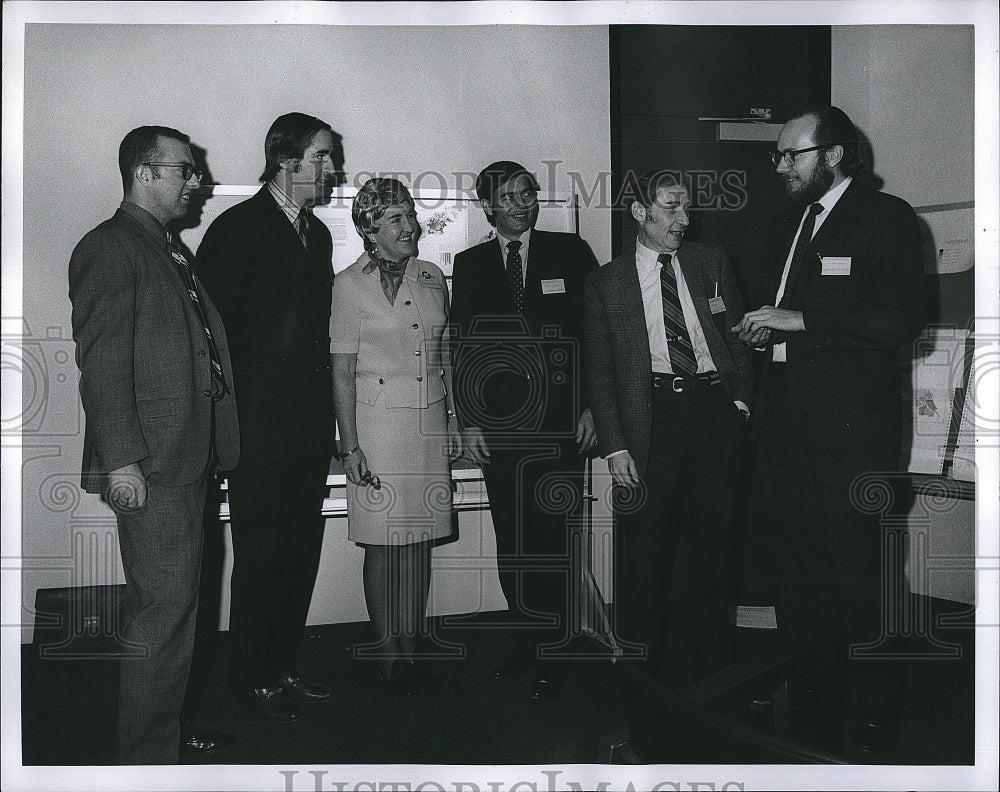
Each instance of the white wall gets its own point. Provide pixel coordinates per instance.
(910, 90)
(409, 99)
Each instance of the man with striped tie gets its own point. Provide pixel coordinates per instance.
(669, 390)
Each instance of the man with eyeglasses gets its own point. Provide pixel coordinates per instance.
(156, 386)
(840, 292)
(267, 262)
(519, 394)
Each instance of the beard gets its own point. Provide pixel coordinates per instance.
(815, 187)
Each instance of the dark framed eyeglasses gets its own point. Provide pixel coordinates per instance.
(374, 480)
(789, 155)
(187, 169)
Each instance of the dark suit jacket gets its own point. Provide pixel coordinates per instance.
(514, 373)
(145, 366)
(617, 344)
(274, 297)
(844, 370)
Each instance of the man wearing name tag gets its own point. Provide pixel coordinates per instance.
(517, 312)
(669, 389)
(841, 291)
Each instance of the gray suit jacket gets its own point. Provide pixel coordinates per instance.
(616, 344)
(145, 366)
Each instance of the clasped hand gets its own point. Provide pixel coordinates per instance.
(755, 327)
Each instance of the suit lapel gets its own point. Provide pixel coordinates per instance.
(842, 218)
(693, 267)
(629, 296)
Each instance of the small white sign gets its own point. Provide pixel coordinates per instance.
(836, 265)
(553, 286)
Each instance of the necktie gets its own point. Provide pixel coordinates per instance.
(515, 272)
(799, 256)
(682, 359)
(184, 268)
(302, 226)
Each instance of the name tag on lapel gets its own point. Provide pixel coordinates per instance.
(553, 286)
(835, 265)
(716, 305)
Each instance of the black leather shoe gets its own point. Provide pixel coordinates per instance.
(272, 704)
(400, 679)
(871, 738)
(549, 680)
(305, 691)
(517, 664)
(205, 743)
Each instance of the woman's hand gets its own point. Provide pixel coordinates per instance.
(454, 439)
(355, 467)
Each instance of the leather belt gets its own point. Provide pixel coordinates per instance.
(683, 384)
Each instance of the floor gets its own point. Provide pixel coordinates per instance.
(68, 707)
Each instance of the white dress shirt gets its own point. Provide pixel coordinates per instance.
(652, 305)
(828, 201)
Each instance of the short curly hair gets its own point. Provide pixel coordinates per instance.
(373, 199)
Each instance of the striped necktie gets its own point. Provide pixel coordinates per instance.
(187, 275)
(302, 226)
(682, 359)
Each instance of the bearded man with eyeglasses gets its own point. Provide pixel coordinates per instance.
(840, 294)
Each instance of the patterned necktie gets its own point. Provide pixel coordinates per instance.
(184, 268)
(515, 272)
(302, 226)
(799, 256)
(682, 359)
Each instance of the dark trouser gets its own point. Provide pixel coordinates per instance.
(817, 552)
(277, 526)
(161, 547)
(535, 492)
(696, 441)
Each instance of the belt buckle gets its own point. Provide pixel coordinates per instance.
(674, 384)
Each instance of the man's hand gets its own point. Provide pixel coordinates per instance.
(623, 470)
(474, 446)
(586, 434)
(127, 488)
(768, 318)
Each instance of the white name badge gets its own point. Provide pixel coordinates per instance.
(716, 305)
(835, 265)
(553, 286)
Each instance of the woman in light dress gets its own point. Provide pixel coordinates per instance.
(396, 419)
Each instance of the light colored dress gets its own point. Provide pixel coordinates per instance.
(402, 415)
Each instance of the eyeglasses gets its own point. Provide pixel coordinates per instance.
(525, 196)
(187, 169)
(368, 478)
(789, 155)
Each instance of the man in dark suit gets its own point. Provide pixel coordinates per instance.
(517, 311)
(267, 264)
(669, 388)
(156, 386)
(841, 291)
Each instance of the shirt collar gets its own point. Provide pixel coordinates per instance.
(150, 224)
(647, 259)
(524, 239)
(284, 201)
(829, 200)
